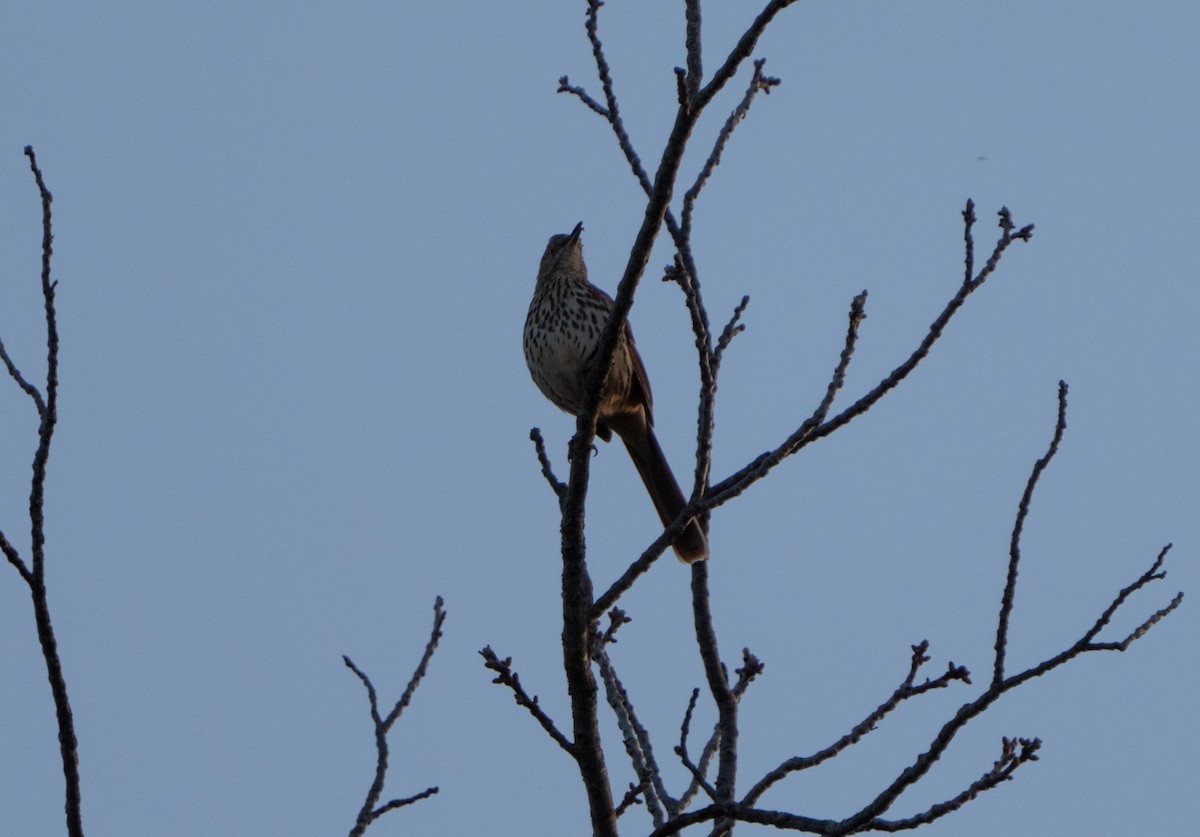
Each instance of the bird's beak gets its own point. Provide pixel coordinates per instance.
(574, 236)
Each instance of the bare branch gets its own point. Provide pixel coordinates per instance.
(368, 813)
(14, 558)
(631, 796)
(809, 431)
(637, 740)
(741, 51)
(34, 573)
(695, 68)
(505, 676)
(758, 82)
(1010, 585)
(400, 803)
(718, 686)
(907, 689)
(1000, 684)
(732, 329)
(611, 111)
(539, 444)
(1010, 759)
(565, 86)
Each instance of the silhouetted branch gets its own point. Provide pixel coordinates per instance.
(812, 429)
(758, 82)
(907, 689)
(631, 796)
(383, 725)
(695, 68)
(866, 817)
(539, 444)
(1010, 585)
(583, 643)
(34, 573)
(636, 739)
(505, 676)
(1010, 759)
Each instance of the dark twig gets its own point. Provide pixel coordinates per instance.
(907, 689)
(539, 444)
(1088, 643)
(809, 430)
(637, 740)
(505, 676)
(758, 82)
(371, 810)
(34, 573)
(718, 686)
(868, 816)
(732, 329)
(1014, 753)
(699, 770)
(1014, 551)
(610, 111)
(695, 67)
(1152, 574)
(740, 52)
(632, 796)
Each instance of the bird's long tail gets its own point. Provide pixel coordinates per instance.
(690, 545)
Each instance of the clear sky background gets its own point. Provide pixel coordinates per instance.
(295, 247)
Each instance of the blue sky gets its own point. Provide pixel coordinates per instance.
(295, 246)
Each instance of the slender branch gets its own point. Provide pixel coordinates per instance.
(631, 797)
(578, 603)
(539, 445)
(637, 740)
(34, 573)
(371, 810)
(400, 803)
(718, 685)
(907, 689)
(695, 67)
(505, 676)
(810, 430)
(1014, 552)
(14, 558)
(1014, 753)
(740, 52)
(866, 817)
(758, 82)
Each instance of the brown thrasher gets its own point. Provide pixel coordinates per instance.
(562, 333)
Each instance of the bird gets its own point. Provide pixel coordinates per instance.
(566, 320)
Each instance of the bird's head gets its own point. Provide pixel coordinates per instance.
(564, 252)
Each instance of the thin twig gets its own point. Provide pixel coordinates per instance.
(695, 67)
(371, 810)
(1014, 551)
(505, 676)
(758, 82)
(907, 689)
(1014, 753)
(34, 573)
(808, 431)
(637, 740)
(724, 699)
(539, 444)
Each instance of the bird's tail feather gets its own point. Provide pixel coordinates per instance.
(651, 464)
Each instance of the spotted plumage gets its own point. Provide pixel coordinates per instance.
(562, 334)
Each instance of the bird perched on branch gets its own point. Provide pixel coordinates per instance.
(562, 334)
